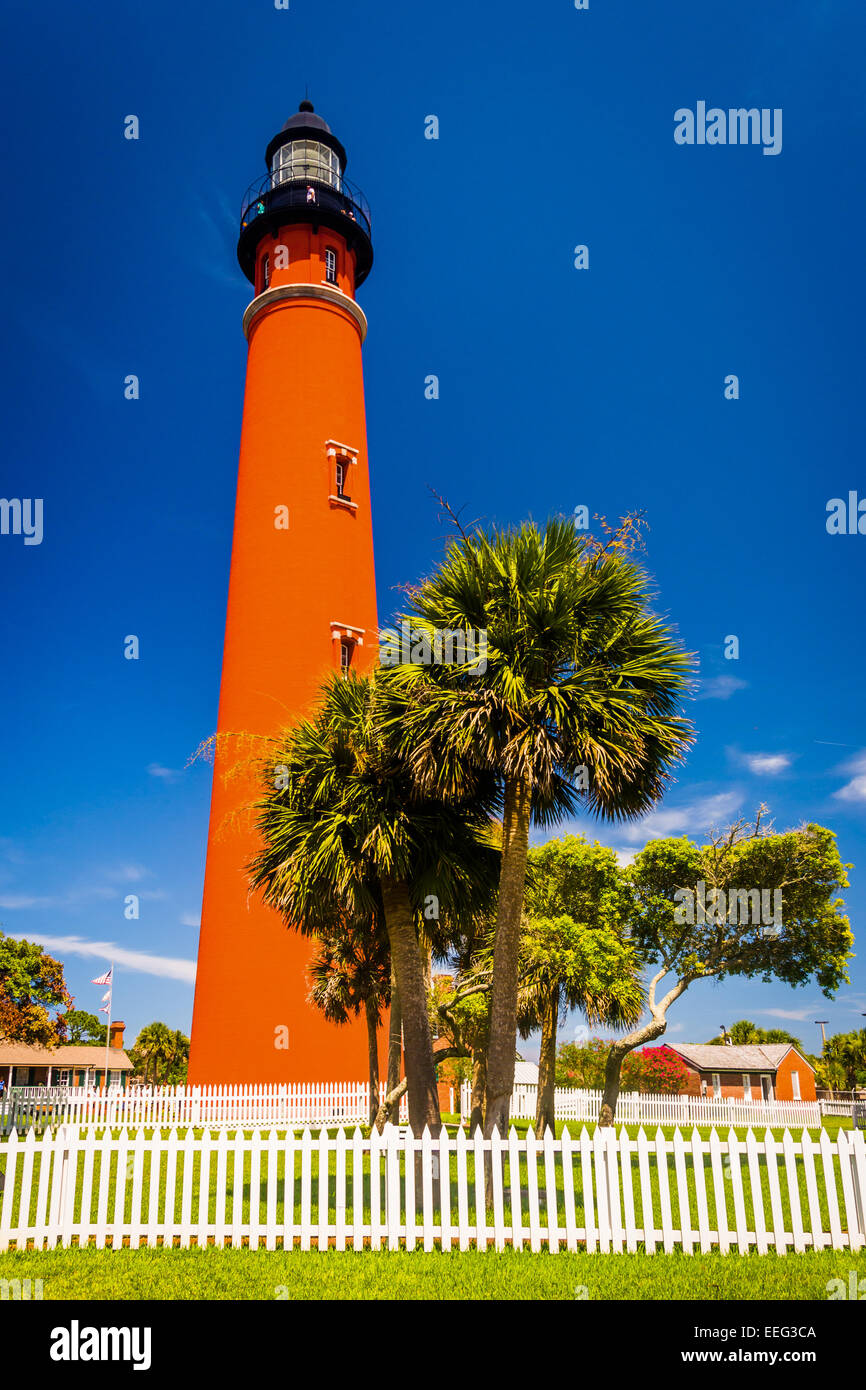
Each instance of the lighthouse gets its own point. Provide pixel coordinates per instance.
(301, 602)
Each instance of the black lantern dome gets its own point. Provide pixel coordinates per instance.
(305, 182)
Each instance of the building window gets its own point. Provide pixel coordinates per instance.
(717, 1085)
(63, 1076)
(114, 1078)
(266, 271)
(341, 459)
(766, 1087)
(795, 1085)
(331, 266)
(347, 646)
(747, 1086)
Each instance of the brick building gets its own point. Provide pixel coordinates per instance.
(757, 1071)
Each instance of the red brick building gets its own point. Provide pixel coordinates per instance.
(757, 1071)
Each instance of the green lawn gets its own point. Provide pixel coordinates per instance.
(246, 1274)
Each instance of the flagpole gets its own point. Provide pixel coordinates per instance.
(108, 1026)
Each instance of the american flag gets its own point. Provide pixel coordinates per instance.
(103, 979)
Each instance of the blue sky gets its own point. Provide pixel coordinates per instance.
(558, 387)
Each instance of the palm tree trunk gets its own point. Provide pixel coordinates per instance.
(417, 1042)
(479, 1085)
(395, 1042)
(373, 1056)
(503, 992)
(545, 1113)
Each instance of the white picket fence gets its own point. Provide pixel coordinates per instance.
(298, 1104)
(604, 1192)
(342, 1103)
(634, 1107)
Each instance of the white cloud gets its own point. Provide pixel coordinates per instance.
(855, 789)
(720, 687)
(190, 919)
(127, 873)
(17, 900)
(767, 764)
(794, 1015)
(168, 774)
(625, 856)
(167, 967)
(698, 816)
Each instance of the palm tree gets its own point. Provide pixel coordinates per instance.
(576, 704)
(353, 972)
(347, 835)
(564, 965)
(154, 1045)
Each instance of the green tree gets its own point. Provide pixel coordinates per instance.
(176, 1062)
(744, 1032)
(582, 1066)
(153, 1052)
(573, 951)
(84, 1027)
(676, 880)
(32, 994)
(351, 974)
(843, 1064)
(577, 701)
(347, 833)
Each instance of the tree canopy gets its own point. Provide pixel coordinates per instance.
(33, 994)
(84, 1027)
(687, 931)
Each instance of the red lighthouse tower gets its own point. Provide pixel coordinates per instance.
(302, 597)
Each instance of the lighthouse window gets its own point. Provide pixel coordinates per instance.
(331, 266)
(346, 648)
(306, 159)
(266, 271)
(341, 478)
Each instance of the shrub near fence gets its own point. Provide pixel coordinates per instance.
(606, 1192)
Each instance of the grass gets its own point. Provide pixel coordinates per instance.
(299, 1275)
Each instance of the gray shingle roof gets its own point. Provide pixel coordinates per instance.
(746, 1057)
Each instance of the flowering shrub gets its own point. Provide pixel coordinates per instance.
(581, 1065)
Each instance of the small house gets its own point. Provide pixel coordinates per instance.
(71, 1064)
(754, 1071)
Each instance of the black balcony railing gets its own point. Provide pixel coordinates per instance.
(305, 187)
